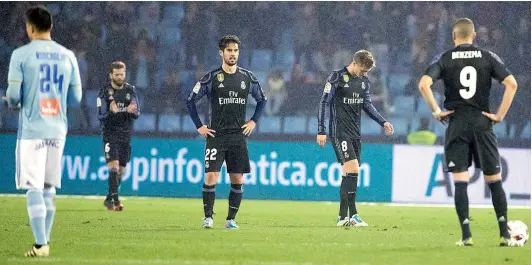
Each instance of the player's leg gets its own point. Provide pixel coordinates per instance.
(458, 160)
(112, 156)
(352, 171)
(489, 160)
(214, 158)
(235, 198)
(237, 162)
(343, 214)
(123, 158)
(51, 181)
(30, 175)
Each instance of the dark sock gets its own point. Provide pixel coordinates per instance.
(113, 185)
(498, 198)
(209, 195)
(461, 202)
(351, 187)
(235, 197)
(343, 199)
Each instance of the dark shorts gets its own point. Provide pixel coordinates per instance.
(346, 149)
(470, 137)
(117, 149)
(233, 149)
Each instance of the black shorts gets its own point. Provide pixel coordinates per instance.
(470, 137)
(117, 149)
(346, 148)
(233, 149)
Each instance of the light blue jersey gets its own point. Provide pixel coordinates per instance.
(44, 78)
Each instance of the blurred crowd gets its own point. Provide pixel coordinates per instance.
(290, 46)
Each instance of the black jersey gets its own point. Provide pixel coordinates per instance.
(227, 94)
(120, 123)
(343, 99)
(467, 71)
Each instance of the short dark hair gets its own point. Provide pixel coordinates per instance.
(225, 40)
(117, 65)
(39, 17)
(364, 58)
(464, 27)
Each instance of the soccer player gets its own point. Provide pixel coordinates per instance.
(43, 79)
(118, 107)
(227, 89)
(346, 93)
(467, 71)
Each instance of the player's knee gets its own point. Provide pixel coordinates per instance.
(211, 178)
(461, 176)
(236, 178)
(491, 177)
(351, 167)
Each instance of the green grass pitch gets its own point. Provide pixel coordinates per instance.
(168, 231)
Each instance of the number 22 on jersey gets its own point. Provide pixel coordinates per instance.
(48, 78)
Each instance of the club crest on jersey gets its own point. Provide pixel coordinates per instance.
(111, 92)
(346, 78)
(243, 85)
(220, 77)
(128, 96)
(363, 85)
(327, 88)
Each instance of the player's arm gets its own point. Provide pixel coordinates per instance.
(374, 114)
(103, 105)
(258, 94)
(503, 75)
(15, 78)
(201, 88)
(134, 108)
(432, 73)
(74, 88)
(324, 107)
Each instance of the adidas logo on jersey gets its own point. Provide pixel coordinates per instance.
(451, 164)
(221, 85)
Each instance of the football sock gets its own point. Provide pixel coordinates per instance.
(49, 201)
(235, 197)
(209, 195)
(498, 198)
(113, 185)
(351, 187)
(343, 199)
(37, 213)
(461, 202)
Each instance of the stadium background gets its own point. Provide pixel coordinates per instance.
(291, 47)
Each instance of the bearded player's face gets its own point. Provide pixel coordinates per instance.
(118, 77)
(230, 54)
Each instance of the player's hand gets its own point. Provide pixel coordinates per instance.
(442, 116)
(113, 107)
(321, 139)
(388, 128)
(493, 117)
(9, 106)
(248, 127)
(205, 131)
(131, 108)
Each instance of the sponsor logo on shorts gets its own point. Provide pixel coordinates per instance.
(47, 143)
